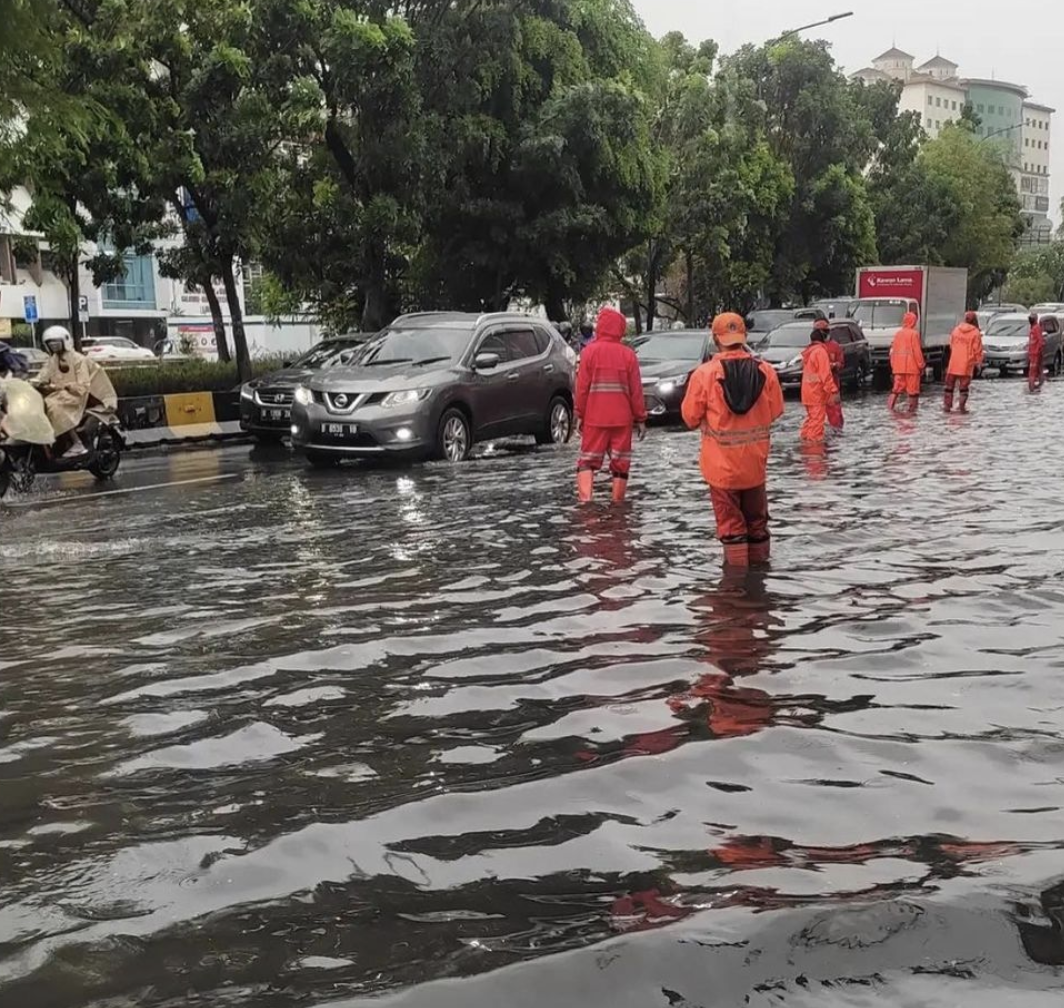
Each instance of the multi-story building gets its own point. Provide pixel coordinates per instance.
(1006, 115)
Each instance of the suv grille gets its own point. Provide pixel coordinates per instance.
(275, 396)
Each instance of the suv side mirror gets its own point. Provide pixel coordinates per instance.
(486, 361)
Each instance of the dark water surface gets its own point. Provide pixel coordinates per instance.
(437, 737)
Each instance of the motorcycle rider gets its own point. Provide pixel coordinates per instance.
(64, 381)
(12, 363)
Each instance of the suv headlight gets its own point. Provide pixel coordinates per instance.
(667, 385)
(404, 398)
(246, 391)
(303, 396)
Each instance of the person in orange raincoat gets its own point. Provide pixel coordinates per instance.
(838, 361)
(1036, 351)
(819, 387)
(735, 400)
(609, 403)
(965, 356)
(907, 363)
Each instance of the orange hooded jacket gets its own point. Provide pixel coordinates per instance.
(965, 350)
(819, 387)
(906, 354)
(609, 387)
(736, 432)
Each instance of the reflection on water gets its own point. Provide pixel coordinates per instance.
(438, 736)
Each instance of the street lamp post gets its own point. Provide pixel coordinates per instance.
(1001, 132)
(815, 24)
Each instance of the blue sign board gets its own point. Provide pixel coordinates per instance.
(29, 308)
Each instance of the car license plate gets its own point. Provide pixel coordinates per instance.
(277, 414)
(340, 429)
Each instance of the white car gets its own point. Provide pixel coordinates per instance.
(115, 349)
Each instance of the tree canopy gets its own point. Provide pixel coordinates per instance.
(378, 157)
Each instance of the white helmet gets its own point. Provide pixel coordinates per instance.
(57, 334)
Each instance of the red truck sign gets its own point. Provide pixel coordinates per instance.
(891, 283)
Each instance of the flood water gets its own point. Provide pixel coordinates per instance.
(435, 737)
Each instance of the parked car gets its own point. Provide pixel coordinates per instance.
(667, 360)
(834, 308)
(1049, 308)
(1005, 343)
(115, 350)
(784, 347)
(266, 402)
(760, 323)
(435, 383)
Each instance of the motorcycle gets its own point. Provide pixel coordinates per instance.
(100, 431)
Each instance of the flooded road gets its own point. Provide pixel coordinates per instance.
(436, 737)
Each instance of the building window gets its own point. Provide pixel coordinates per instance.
(954, 106)
(135, 289)
(929, 99)
(938, 124)
(928, 122)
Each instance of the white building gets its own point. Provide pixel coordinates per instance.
(936, 93)
(141, 305)
(937, 102)
(1034, 177)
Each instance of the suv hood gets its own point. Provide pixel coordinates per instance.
(780, 354)
(666, 368)
(285, 378)
(385, 378)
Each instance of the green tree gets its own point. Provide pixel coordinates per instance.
(915, 210)
(823, 129)
(1037, 275)
(548, 169)
(988, 221)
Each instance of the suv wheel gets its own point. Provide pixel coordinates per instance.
(559, 426)
(454, 440)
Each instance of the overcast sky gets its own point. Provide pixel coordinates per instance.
(975, 34)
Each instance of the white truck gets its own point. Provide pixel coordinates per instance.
(936, 295)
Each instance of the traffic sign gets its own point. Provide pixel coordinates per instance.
(29, 308)
(83, 308)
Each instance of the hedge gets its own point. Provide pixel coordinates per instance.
(184, 376)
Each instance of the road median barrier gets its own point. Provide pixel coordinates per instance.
(184, 416)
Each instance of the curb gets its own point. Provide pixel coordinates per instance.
(189, 416)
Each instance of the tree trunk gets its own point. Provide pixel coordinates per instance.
(555, 305)
(690, 260)
(236, 319)
(652, 285)
(218, 319)
(74, 292)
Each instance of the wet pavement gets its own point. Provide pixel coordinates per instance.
(434, 736)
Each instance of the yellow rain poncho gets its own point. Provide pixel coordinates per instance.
(23, 417)
(66, 379)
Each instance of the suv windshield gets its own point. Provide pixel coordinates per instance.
(329, 353)
(790, 336)
(879, 315)
(414, 346)
(1008, 329)
(766, 321)
(671, 346)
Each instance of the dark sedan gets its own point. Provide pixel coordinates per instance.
(760, 324)
(667, 360)
(783, 350)
(266, 402)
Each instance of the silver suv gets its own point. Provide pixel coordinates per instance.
(435, 383)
